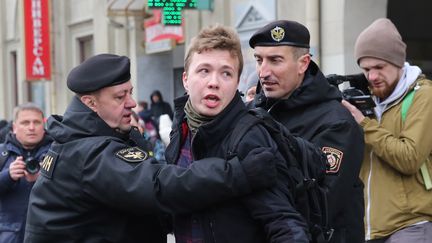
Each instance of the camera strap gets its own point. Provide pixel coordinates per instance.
(406, 103)
(3, 155)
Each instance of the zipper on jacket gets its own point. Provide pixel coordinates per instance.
(368, 206)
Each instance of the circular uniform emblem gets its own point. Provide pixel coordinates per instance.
(334, 159)
(277, 33)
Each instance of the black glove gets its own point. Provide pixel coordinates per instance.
(260, 167)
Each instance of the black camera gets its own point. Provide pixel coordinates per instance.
(32, 165)
(357, 94)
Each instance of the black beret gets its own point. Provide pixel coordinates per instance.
(281, 33)
(98, 72)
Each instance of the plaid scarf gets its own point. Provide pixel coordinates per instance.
(187, 230)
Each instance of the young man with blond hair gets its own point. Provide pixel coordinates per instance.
(203, 123)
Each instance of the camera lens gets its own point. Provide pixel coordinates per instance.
(32, 165)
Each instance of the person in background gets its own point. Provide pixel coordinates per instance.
(141, 106)
(204, 120)
(149, 125)
(20, 154)
(251, 86)
(296, 93)
(5, 128)
(3, 123)
(158, 147)
(159, 106)
(397, 164)
(98, 182)
(165, 124)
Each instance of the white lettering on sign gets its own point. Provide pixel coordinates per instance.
(38, 66)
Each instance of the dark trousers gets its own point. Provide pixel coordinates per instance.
(420, 233)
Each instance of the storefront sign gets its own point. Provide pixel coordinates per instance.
(37, 40)
(159, 37)
(159, 46)
(155, 30)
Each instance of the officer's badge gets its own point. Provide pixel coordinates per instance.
(132, 155)
(334, 159)
(277, 33)
(48, 164)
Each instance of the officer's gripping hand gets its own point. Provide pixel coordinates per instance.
(260, 167)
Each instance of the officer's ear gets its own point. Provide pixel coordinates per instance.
(303, 62)
(90, 101)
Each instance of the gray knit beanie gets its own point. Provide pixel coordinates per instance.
(381, 40)
(252, 80)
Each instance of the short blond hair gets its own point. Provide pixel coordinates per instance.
(216, 37)
(26, 107)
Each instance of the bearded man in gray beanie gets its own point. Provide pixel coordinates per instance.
(397, 164)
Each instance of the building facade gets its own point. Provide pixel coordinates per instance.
(82, 28)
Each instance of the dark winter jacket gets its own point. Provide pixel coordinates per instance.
(266, 216)
(14, 194)
(314, 112)
(4, 131)
(98, 185)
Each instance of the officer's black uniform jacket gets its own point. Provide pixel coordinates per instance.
(89, 192)
(313, 111)
(266, 216)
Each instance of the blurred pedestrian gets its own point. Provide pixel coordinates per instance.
(3, 123)
(397, 164)
(251, 85)
(159, 106)
(158, 147)
(5, 128)
(149, 124)
(165, 124)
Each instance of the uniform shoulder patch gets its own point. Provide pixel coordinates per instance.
(132, 155)
(48, 164)
(334, 158)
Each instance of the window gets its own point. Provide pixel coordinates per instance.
(85, 47)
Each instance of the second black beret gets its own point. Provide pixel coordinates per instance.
(98, 72)
(281, 33)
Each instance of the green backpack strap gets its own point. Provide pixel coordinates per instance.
(406, 103)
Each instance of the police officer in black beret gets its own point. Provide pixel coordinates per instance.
(98, 182)
(296, 93)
